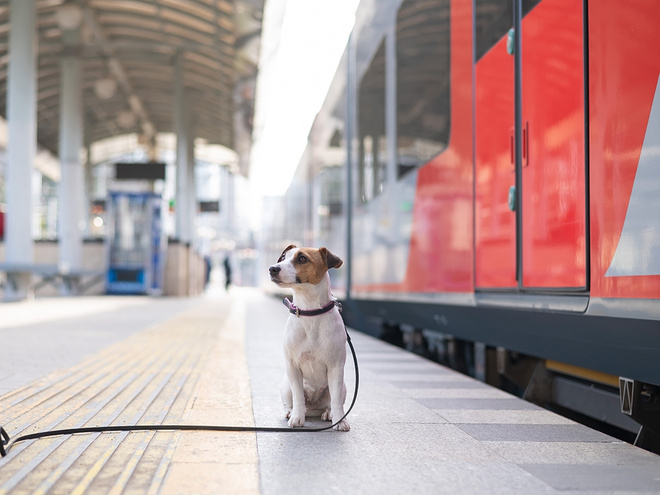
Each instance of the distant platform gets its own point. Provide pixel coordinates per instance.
(417, 427)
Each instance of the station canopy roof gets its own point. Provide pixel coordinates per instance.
(128, 50)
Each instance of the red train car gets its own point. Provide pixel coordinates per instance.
(491, 170)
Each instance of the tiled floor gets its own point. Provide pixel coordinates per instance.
(417, 427)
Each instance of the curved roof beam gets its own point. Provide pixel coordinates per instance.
(116, 69)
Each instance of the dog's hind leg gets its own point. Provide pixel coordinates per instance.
(337, 396)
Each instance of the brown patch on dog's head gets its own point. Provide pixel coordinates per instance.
(312, 264)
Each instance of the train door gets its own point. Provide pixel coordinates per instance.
(530, 172)
(495, 179)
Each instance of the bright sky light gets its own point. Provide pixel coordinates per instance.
(301, 46)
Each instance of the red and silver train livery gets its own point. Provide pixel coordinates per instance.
(490, 170)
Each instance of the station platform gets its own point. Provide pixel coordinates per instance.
(417, 427)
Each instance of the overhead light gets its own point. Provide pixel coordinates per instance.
(148, 129)
(126, 119)
(105, 88)
(135, 104)
(69, 16)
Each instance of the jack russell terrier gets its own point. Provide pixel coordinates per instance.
(315, 337)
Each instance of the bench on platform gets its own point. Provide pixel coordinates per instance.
(69, 281)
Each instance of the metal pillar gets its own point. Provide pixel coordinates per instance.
(392, 175)
(182, 225)
(71, 188)
(230, 202)
(193, 271)
(22, 118)
(350, 127)
(390, 113)
(192, 186)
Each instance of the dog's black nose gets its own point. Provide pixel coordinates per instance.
(274, 270)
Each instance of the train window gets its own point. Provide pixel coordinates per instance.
(330, 184)
(422, 81)
(371, 121)
(493, 19)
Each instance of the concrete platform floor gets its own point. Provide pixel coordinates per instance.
(417, 426)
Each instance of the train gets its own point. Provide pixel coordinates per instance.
(489, 170)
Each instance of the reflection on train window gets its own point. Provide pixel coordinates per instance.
(371, 122)
(423, 75)
(330, 184)
(494, 18)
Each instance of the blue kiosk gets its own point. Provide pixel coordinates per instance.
(136, 243)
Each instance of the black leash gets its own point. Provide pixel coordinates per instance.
(6, 443)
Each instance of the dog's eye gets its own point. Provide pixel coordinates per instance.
(302, 259)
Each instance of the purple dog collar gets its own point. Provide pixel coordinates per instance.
(294, 310)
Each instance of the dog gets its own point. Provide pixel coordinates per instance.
(314, 346)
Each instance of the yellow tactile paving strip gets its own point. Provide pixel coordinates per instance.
(190, 369)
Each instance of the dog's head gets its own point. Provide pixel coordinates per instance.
(302, 266)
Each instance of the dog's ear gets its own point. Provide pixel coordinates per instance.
(283, 255)
(331, 261)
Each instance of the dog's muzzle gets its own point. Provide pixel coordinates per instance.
(274, 272)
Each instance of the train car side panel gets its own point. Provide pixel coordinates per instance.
(441, 249)
(625, 177)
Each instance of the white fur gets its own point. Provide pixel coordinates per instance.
(315, 351)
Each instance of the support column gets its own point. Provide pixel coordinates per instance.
(390, 109)
(391, 138)
(193, 268)
(71, 188)
(349, 131)
(192, 186)
(182, 225)
(230, 202)
(22, 134)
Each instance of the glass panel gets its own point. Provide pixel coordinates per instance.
(371, 123)
(423, 76)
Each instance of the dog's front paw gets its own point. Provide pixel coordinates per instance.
(296, 421)
(342, 426)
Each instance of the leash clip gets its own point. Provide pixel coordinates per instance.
(4, 440)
